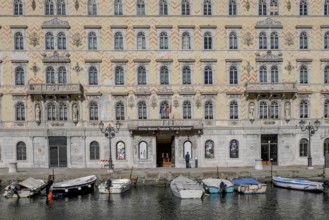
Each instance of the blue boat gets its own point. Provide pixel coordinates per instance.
(214, 186)
(249, 186)
(299, 184)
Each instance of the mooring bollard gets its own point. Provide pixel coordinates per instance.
(196, 162)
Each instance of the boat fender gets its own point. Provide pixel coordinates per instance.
(108, 183)
(50, 195)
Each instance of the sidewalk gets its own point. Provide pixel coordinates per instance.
(164, 175)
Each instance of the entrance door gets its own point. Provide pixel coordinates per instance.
(57, 152)
(165, 151)
(269, 148)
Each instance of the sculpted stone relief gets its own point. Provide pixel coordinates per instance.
(34, 39)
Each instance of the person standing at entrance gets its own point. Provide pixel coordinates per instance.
(187, 159)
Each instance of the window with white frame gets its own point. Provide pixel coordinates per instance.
(93, 111)
(274, 7)
(61, 7)
(187, 110)
(93, 76)
(232, 7)
(326, 40)
(233, 40)
(62, 111)
(49, 7)
(118, 7)
(303, 109)
(262, 40)
(163, 7)
(186, 75)
(326, 74)
(265, 77)
(61, 41)
(263, 74)
(274, 110)
(208, 110)
(208, 75)
(119, 75)
(164, 75)
(94, 150)
(49, 41)
(234, 76)
(141, 41)
(19, 76)
(62, 75)
(207, 41)
(303, 7)
(140, 7)
(185, 7)
(142, 110)
(186, 41)
(92, 7)
(268, 7)
(51, 112)
(234, 110)
(21, 151)
(303, 40)
(326, 7)
(262, 8)
(20, 111)
(58, 76)
(92, 41)
(164, 110)
(53, 7)
(207, 7)
(118, 41)
(141, 75)
(326, 109)
(19, 41)
(18, 7)
(303, 74)
(274, 74)
(59, 44)
(119, 111)
(263, 110)
(274, 40)
(163, 41)
(303, 146)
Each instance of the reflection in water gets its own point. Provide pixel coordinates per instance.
(150, 202)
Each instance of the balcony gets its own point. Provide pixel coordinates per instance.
(165, 125)
(55, 89)
(281, 89)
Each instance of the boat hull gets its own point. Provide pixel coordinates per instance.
(118, 186)
(297, 184)
(186, 188)
(25, 189)
(212, 186)
(251, 188)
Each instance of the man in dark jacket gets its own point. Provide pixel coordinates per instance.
(187, 159)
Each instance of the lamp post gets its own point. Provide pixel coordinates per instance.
(311, 130)
(109, 132)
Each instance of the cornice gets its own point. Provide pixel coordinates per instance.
(304, 60)
(119, 60)
(19, 61)
(164, 60)
(324, 60)
(268, 23)
(186, 26)
(119, 26)
(142, 60)
(233, 60)
(141, 26)
(92, 26)
(93, 60)
(163, 26)
(18, 26)
(119, 93)
(208, 60)
(233, 26)
(208, 26)
(304, 26)
(186, 60)
(55, 24)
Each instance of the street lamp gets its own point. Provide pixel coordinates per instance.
(311, 130)
(109, 132)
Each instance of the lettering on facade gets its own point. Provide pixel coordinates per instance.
(164, 128)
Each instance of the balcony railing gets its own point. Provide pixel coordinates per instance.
(273, 87)
(165, 124)
(52, 89)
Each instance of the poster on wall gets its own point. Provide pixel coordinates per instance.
(209, 149)
(234, 149)
(143, 151)
(121, 151)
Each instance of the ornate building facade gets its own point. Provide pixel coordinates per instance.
(226, 80)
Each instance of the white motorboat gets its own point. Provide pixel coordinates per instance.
(74, 187)
(299, 184)
(185, 188)
(115, 186)
(213, 186)
(249, 186)
(25, 188)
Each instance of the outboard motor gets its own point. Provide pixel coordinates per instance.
(223, 186)
(326, 185)
(108, 183)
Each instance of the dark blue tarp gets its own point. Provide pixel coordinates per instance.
(245, 181)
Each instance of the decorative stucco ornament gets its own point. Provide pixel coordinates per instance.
(248, 67)
(198, 101)
(34, 39)
(175, 101)
(248, 39)
(289, 39)
(77, 40)
(131, 100)
(289, 67)
(247, 5)
(288, 5)
(154, 101)
(35, 68)
(76, 5)
(77, 68)
(34, 5)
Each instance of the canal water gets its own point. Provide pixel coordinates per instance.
(157, 202)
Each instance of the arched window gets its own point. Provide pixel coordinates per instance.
(233, 41)
(141, 44)
(164, 75)
(118, 7)
(186, 41)
(326, 74)
(303, 75)
(303, 7)
(326, 109)
(262, 40)
(326, 40)
(234, 110)
(141, 75)
(19, 76)
(18, 7)
(186, 75)
(263, 110)
(262, 8)
(20, 112)
(51, 112)
(142, 110)
(326, 7)
(207, 7)
(303, 109)
(119, 111)
(118, 41)
(49, 7)
(61, 9)
(93, 111)
(94, 150)
(274, 109)
(274, 74)
(274, 7)
(187, 110)
(187, 148)
(303, 41)
(119, 75)
(233, 75)
(92, 41)
(62, 112)
(19, 41)
(164, 110)
(208, 75)
(263, 74)
(326, 146)
(232, 7)
(303, 145)
(207, 41)
(121, 151)
(93, 76)
(163, 41)
(143, 151)
(274, 40)
(208, 110)
(62, 75)
(185, 7)
(209, 149)
(163, 7)
(49, 41)
(61, 41)
(92, 7)
(140, 7)
(234, 149)
(21, 151)
(50, 75)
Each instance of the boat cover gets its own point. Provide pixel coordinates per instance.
(246, 181)
(32, 183)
